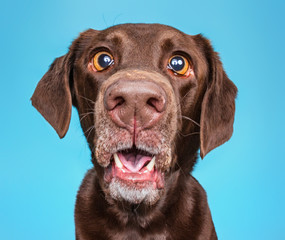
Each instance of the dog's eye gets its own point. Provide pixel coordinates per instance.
(179, 65)
(102, 60)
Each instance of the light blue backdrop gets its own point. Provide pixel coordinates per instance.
(40, 174)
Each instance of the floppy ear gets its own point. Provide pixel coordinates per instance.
(218, 105)
(52, 97)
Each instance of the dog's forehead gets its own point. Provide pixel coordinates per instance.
(144, 42)
(136, 31)
(143, 36)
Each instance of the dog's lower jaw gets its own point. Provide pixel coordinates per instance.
(142, 187)
(121, 191)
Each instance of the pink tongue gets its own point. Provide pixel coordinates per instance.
(133, 162)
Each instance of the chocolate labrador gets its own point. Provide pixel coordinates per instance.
(149, 97)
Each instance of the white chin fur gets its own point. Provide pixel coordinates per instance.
(120, 191)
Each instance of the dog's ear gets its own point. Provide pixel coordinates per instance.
(218, 105)
(52, 97)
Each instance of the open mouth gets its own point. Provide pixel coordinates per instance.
(134, 167)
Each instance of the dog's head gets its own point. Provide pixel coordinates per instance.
(148, 97)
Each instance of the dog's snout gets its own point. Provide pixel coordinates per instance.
(140, 101)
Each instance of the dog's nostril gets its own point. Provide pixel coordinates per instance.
(119, 101)
(112, 102)
(157, 103)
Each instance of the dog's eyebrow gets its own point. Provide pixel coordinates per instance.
(119, 38)
(117, 35)
(169, 35)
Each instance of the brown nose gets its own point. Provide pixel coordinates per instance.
(135, 103)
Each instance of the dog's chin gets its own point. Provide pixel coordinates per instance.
(133, 193)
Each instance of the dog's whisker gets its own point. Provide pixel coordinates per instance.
(180, 168)
(86, 99)
(190, 119)
(89, 130)
(85, 115)
(180, 105)
(189, 134)
(182, 99)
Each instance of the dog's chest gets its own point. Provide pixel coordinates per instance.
(136, 236)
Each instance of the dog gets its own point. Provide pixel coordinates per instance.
(149, 97)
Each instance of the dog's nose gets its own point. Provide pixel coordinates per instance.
(135, 103)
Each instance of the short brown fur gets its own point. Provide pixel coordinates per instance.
(199, 114)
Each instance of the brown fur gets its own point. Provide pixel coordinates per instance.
(199, 113)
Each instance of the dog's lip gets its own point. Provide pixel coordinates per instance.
(142, 172)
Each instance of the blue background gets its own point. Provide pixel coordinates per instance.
(40, 174)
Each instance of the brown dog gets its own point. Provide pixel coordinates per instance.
(148, 97)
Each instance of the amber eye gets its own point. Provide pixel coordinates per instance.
(102, 60)
(179, 65)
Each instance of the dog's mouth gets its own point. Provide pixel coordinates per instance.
(134, 167)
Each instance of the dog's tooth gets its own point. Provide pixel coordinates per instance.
(151, 164)
(118, 161)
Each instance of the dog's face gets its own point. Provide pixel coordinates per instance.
(148, 96)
